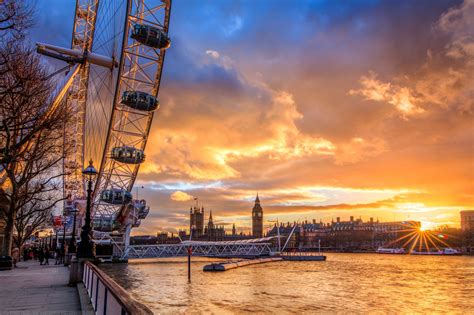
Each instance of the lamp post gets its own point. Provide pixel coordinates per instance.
(72, 242)
(86, 246)
(63, 244)
(56, 240)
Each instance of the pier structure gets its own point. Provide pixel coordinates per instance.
(227, 249)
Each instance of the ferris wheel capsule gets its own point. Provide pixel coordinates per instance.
(128, 155)
(150, 36)
(116, 196)
(140, 100)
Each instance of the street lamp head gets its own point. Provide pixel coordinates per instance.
(90, 171)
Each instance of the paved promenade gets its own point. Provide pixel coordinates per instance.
(35, 289)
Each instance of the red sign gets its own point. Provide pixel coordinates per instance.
(57, 221)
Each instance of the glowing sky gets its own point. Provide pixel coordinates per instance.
(326, 108)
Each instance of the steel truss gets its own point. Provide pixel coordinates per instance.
(206, 250)
(133, 67)
(74, 134)
(139, 70)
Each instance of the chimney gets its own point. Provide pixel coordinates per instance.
(352, 218)
(338, 219)
(314, 221)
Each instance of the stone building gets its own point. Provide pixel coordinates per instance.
(196, 221)
(467, 220)
(213, 232)
(467, 227)
(352, 235)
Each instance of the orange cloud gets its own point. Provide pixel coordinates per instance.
(311, 148)
(400, 97)
(358, 149)
(180, 196)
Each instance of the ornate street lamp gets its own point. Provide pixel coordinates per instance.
(86, 246)
(72, 242)
(56, 231)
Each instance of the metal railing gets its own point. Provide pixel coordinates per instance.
(106, 296)
(217, 249)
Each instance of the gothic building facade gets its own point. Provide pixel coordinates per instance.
(213, 232)
(199, 232)
(196, 221)
(257, 219)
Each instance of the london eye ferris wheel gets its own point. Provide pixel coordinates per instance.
(116, 57)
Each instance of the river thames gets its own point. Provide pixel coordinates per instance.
(345, 282)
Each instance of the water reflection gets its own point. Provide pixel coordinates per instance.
(345, 282)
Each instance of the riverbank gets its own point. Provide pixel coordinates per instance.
(34, 289)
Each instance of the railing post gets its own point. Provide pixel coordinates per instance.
(105, 300)
(96, 292)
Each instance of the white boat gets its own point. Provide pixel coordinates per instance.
(444, 251)
(398, 251)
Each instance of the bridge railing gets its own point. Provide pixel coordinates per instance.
(106, 296)
(206, 250)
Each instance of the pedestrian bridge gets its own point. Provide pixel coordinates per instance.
(225, 249)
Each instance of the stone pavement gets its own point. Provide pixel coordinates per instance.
(35, 289)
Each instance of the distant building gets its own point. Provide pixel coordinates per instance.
(213, 232)
(196, 221)
(257, 219)
(352, 235)
(467, 227)
(143, 240)
(467, 220)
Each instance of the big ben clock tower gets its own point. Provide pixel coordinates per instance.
(257, 219)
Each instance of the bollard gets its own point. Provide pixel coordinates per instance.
(6, 262)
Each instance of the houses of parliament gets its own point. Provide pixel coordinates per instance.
(214, 232)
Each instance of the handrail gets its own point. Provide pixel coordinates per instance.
(95, 279)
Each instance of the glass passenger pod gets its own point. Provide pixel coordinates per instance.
(106, 223)
(116, 196)
(140, 100)
(128, 155)
(150, 36)
(142, 208)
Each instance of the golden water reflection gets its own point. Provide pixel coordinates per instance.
(345, 282)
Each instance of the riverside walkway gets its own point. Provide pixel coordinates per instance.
(35, 289)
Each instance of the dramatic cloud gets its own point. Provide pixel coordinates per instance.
(180, 196)
(458, 23)
(443, 80)
(360, 108)
(400, 97)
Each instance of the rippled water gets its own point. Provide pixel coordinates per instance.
(345, 282)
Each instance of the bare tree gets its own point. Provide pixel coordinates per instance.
(15, 18)
(31, 219)
(31, 136)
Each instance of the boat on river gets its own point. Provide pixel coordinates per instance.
(302, 256)
(395, 251)
(444, 251)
